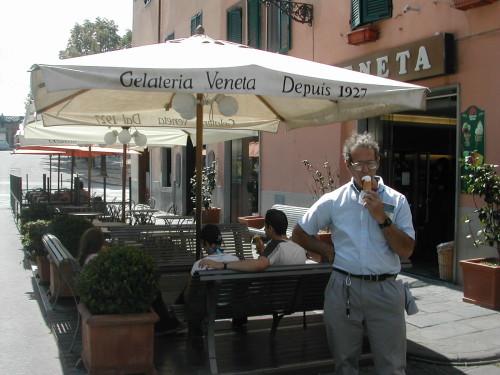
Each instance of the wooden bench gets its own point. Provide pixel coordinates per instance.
(64, 269)
(174, 246)
(293, 214)
(276, 291)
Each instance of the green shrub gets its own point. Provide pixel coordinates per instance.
(121, 280)
(68, 229)
(32, 237)
(33, 213)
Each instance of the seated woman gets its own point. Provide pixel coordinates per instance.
(211, 242)
(91, 243)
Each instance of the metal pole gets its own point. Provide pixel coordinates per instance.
(199, 160)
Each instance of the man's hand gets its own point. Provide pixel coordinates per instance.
(373, 203)
(208, 263)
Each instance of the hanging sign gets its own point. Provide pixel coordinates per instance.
(472, 137)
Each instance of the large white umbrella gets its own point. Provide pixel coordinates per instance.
(138, 87)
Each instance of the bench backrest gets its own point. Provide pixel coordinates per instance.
(286, 289)
(57, 252)
(172, 245)
(293, 214)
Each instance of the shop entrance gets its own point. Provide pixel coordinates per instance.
(419, 160)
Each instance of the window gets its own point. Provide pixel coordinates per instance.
(278, 30)
(170, 36)
(195, 22)
(234, 26)
(166, 167)
(253, 20)
(364, 12)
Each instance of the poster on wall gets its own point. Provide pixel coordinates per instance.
(472, 136)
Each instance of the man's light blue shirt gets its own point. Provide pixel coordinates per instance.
(360, 245)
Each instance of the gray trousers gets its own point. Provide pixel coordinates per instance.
(376, 308)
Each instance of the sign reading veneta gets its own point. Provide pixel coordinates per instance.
(472, 137)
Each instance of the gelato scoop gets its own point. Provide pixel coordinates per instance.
(367, 183)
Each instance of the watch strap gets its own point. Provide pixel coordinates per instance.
(386, 223)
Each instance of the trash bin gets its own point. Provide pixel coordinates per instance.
(445, 260)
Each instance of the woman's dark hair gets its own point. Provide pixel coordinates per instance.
(210, 234)
(91, 242)
(278, 220)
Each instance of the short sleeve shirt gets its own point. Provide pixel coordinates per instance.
(360, 245)
(287, 253)
(215, 257)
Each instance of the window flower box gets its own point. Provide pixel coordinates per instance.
(468, 4)
(362, 35)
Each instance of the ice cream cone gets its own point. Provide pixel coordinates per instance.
(367, 183)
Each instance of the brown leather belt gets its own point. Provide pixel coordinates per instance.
(381, 277)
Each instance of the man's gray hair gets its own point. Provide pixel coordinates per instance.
(360, 140)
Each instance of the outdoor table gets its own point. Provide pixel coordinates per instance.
(142, 216)
(175, 219)
(86, 214)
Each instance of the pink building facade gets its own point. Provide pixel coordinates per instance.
(451, 51)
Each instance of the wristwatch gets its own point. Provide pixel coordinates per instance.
(386, 223)
(225, 265)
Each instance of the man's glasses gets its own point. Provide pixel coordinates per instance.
(358, 166)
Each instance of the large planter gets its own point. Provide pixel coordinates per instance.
(210, 216)
(117, 344)
(57, 285)
(481, 283)
(252, 221)
(468, 4)
(43, 266)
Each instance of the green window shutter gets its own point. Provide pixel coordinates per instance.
(284, 32)
(170, 36)
(195, 22)
(364, 12)
(376, 10)
(355, 13)
(234, 26)
(253, 7)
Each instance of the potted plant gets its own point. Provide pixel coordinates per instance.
(208, 183)
(32, 242)
(117, 289)
(323, 182)
(481, 276)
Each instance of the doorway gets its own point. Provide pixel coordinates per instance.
(419, 160)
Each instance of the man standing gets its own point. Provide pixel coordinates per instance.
(371, 230)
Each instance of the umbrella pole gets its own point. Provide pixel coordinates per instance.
(89, 171)
(199, 147)
(58, 172)
(72, 186)
(124, 179)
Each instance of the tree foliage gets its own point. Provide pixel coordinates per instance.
(95, 37)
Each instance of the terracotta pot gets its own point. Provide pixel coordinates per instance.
(481, 283)
(468, 4)
(118, 344)
(362, 35)
(56, 281)
(210, 216)
(252, 221)
(43, 266)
